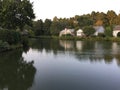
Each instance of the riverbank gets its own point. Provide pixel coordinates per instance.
(114, 39)
(10, 47)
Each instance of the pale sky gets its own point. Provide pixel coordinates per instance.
(69, 8)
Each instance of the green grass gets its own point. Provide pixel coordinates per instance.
(114, 39)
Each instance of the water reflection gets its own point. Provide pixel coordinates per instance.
(47, 44)
(66, 44)
(79, 45)
(82, 50)
(75, 65)
(15, 72)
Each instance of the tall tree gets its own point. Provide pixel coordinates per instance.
(0, 11)
(16, 13)
(111, 15)
(46, 26)
(54, 29)
(93, 16)
(118, 20)
(58, 25)
(88, 30)
(84, 21)
(38, 27)
(108, 31)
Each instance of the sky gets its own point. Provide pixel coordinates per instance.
(48, 9)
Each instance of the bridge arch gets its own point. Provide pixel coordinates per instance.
(116, 33)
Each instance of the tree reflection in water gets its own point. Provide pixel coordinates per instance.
(15, 72)
(82, 50)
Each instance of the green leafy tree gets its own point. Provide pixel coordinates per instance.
(88, 30)
(99, 18)
(16, 13)
(117, 20)
(108, 31)
(111, 15)
(38, 27)
(102, 17)
(58, 25)
(84, 21)
(46, 26)
(54, 29)
(93, 16)
(0, 13)
(71, 23)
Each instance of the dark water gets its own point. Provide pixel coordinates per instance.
(62, 65)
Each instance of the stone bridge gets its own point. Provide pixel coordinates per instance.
(115, 33)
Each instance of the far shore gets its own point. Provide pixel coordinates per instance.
(114, 39)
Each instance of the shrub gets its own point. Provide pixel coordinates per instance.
(31, 33)
(88, 30)
(10, 36)
(25, 41)
(108, 31)
(4, 46)
(67, 35)
(101, 35)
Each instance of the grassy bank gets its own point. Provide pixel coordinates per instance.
(114, 39)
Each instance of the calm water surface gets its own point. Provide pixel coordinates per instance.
(62, 65)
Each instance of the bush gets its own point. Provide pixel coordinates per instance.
(25, 41)
(88, 30)
(101, 35)
(31, 33)
(67, 35)
(10, 36)
(108, 31)
(4, 46)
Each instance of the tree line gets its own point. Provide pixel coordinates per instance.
(53, 27)
(19, 15)
(14, 15)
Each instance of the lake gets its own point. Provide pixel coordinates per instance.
(51, 64)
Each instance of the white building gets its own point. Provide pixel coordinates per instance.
(116, 30)
(80, 33)
(98, 29)
(66, 31)
(67, 44)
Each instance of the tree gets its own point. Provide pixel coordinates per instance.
(46, 26)
(99, 18)
(93, 16)
(88, 30)
(38, 27)
(84, 21)
(117, 20)
(108, 31)
(99, 23)
(111, 15)
(58, 25)
(54, 29)
(16, 13)
(0, 11)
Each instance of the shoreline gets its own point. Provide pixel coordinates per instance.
(12, 47)
(113, 39)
